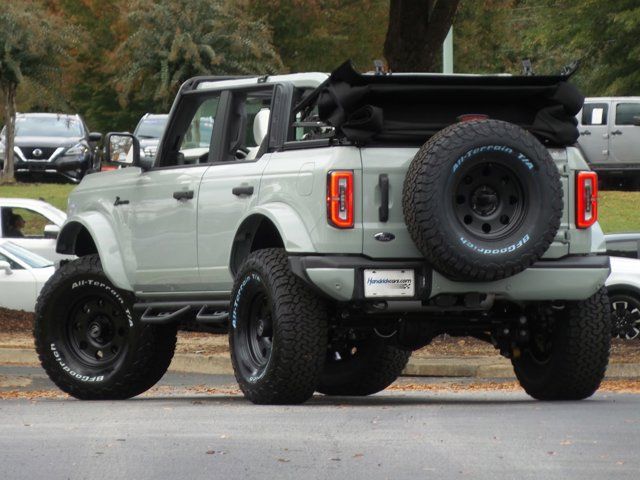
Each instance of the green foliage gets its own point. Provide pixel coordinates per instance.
(318, 35)
(37, 53)
(173, 40)
(604, 35)
(92, 92)
(488, 37)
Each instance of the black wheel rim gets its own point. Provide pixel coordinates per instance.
(489, 201)
(96, 331)
(625, 317)
(540, 346)
(254, 335)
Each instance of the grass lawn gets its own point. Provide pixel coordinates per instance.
(619, 211)
(54, 193)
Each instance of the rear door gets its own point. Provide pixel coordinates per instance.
(624, 143)
(230, 187)
(594, 132)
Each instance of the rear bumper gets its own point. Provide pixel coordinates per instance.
(341, 278)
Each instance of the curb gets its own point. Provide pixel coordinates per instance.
(473, 367)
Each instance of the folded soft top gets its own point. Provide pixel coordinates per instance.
(412, 107)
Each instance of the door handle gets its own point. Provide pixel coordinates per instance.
(585, 132)
(616, 132)
(383, 210)
(120, 202)
(242, 190)
(183, 195)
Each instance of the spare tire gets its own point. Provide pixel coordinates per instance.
(482, 200)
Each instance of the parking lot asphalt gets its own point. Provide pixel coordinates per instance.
(199, 426)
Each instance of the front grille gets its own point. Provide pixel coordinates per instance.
(45, 155)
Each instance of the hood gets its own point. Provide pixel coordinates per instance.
(49, 142)
(413, 106)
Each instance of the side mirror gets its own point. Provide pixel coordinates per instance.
(123, 149)
(6, 267)
(95, 137)
(636, 120)
(51, 231)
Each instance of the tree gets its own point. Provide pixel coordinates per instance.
(91, 91)
(416, 32)
(604, 35)
(172, 40)
(488, 36)
(318, 35)
(27, 52)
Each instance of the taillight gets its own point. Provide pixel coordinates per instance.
(586, 199)
(340, 198)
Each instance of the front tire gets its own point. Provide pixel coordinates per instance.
(568, 352)
(89, 341)
(278, 334)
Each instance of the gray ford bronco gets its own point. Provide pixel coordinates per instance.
(333, 224)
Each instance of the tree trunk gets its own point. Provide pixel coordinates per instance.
(8, 175)
(416, 32)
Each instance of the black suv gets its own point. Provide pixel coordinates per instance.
(51, 144)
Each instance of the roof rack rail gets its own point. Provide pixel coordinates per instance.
(193, 83)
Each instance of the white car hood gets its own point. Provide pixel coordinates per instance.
(624, 271)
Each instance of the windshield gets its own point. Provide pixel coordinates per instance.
(30, 258)
(48, 126)
(151, 127)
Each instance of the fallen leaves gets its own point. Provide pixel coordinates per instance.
(31, 394)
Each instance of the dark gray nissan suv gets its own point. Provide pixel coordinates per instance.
(52, 144)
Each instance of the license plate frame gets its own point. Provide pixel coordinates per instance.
(389, 283)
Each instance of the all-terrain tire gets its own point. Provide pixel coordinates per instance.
(482, 200)
(88, 339)
(278, 332)
(573, 364)
(373, 367)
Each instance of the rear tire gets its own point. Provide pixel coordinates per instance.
(88, 339)
(368, 367)
(569, 351)
(278, 332)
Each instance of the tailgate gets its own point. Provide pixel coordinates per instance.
(395, 241)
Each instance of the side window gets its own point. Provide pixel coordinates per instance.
(594, 114)
(196, 141)
(625, 113)
(21, 222)
(248, 124)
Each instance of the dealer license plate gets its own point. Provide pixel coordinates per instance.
(389, 283)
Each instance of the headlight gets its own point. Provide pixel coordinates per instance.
(79, 149)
